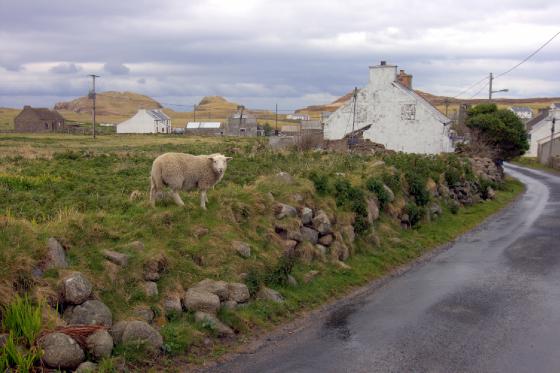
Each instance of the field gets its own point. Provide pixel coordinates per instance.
(92, 195)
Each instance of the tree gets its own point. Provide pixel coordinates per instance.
(498, 130)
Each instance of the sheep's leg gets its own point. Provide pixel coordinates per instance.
(203, 199)
(177, 198)
(153, 196)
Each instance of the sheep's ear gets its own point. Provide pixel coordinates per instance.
(229, 159)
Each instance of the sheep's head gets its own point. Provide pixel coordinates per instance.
(219, 163)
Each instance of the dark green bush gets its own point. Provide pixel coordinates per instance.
(417, 189)
(321, 182)
(415, 213)
(376, 186)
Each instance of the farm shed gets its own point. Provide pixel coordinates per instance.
(146, 121)
(398, 117)
(38, 120)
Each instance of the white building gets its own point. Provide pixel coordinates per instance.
(522, 112)
(397, 117)
(297, 117)
(539, 129)
(146, 121)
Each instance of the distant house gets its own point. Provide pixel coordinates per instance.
(146, 121)
(241, 123)
(204, 129)
(38, 120)
(523, 112)
(540, 128)
(388, 112)
(297, 117)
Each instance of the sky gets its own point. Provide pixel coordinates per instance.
(260, 53)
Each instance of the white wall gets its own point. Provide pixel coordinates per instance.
(400, 119)
(540, 131)
(142, 122)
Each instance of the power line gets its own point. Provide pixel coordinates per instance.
(470, 87)
(528, 57)
(480, 90)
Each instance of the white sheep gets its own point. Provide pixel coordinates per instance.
(180, 171)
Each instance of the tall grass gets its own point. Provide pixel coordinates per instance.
(22, 319)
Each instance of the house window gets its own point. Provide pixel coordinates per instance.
(242, 130)
(46, 125)
(408, 112)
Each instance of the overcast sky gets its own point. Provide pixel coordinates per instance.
(262, 52)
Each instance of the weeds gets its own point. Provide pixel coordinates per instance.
(23, 319)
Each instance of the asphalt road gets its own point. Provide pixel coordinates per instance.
(491, 303)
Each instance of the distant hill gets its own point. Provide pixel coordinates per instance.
(111, 107)
(439, 102)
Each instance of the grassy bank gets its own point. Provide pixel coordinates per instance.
(92, 196)
(532, 162)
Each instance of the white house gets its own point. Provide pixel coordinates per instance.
(539, 129)
(523, 112)
(397, 117)
(146, 121)
(297, 116)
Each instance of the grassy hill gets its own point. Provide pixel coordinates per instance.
(7, 116)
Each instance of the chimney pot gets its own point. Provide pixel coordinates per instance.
(383, 63)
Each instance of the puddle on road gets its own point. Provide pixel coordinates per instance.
(337, 322)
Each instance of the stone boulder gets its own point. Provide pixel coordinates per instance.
(339, 251)
(76, 289)
(238, 292)
(242, 248)
(116, 257)
(326, 240)
(61, 351)
(100, 344)
(219, 288)
(154, 267)
(321, 222)
(270, 294)
(150, 288)
(87, 367)
(194, 300)
(145, 313)
(172, 303)
(91, 312)
(372, 210)
(56, 256)
(309, 234)
(215, 324)
(137, 333)
(306, 215)
(282, 210)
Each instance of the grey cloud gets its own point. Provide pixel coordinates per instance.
(141, 81)
(65, 68)
(116, 68)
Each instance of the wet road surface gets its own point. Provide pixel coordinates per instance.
(491, 303)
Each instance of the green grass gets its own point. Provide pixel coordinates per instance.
(534, 163)
(77, 190)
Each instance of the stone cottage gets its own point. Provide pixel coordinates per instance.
(38, 120)
(241, 123)
(387, 111)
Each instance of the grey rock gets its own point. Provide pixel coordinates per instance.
(229, 304)
(219, 288)
(76, 288)
(238, 292)
(145, 313)
(150, 288)
(61, 351)
(282, 210)
(195, 300)
(373, 210)
(390, 193)
(242, 248)
(116, 257)
(306, 215)
(222, 329)
(91, 312)
(87, 367)
(172, 303)
(321, 222)
(339, 251)
(309, 234)
(140, 333)
(56, 257)
(100, 344)
(117, 331)
(326, 240)
(270, 294)
(292, 281)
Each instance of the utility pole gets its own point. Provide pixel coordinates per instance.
(92, 96)
(240, 108)
(551, 140)
(194, 113)
(351, 139)
(490, 79)
(446, 102)
(276, 120)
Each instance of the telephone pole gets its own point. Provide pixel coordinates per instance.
(276, 120)
(194, 113)
(490, 79)
(92, 95)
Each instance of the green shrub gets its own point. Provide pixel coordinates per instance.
(452, 176)
(23, 319)
(254, 280)
(415, 213)
(321, 182)
(376, 186)
(178, 336)
(454, 207)
(278, 275)
(417, 189)
(393, 181)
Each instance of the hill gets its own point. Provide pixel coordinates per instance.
(111, 107)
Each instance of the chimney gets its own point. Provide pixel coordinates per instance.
(405, 79)
(382, 74)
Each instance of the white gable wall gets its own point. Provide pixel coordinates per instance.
(142, 122)
(400, 119)
(540, 131)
